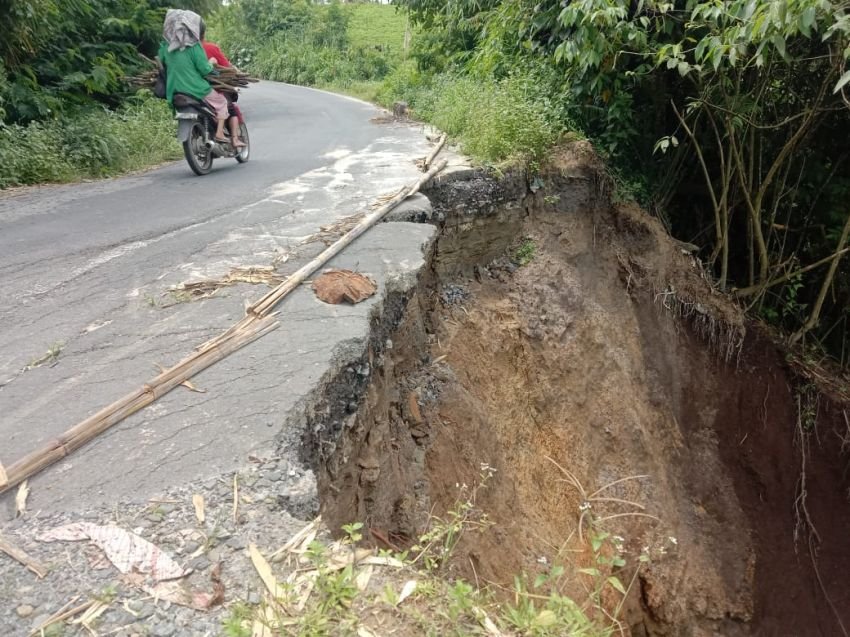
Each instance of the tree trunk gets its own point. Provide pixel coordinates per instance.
(827, 282)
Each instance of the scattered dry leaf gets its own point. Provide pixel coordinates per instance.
(92, 613)
(488, 624)
(337, 286)
(21, 498)
(198, 501)
(406, 591)
(382, 561)
(263, 570)
(178, 592)
(62, 614)
(331, 232)
(299, 542)
(96, 559)
(188, 385)
(262, 622)
(236, 498)
(255, 274)
(363, 577)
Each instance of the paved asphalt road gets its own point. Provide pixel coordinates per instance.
(85, 269)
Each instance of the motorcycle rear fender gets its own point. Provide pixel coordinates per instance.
(184, 127)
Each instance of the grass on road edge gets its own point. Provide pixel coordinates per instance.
(89, 144)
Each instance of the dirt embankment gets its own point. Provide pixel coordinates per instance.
(608, 353)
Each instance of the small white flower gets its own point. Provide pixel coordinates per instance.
(542, 560)
(584, 506)
(673, 540)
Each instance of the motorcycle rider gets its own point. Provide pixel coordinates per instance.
(187, 66)
(217, 56)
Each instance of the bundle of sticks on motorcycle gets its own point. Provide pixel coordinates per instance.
(202, 86)
(223, 78)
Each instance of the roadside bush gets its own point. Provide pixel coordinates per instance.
(310, 45)
(88, 143)
(515, 117)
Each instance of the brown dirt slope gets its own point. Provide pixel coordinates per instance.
(609, 353)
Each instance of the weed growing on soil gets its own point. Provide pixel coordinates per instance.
(49, 357)
(607, 561)
(437, 545)
(340, 589)
(525, 252)
(237, 624)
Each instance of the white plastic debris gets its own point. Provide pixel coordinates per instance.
(128, 552)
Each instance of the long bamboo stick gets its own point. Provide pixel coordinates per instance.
(94, 425)
(427, 163)
(259, 320)
(270, 300)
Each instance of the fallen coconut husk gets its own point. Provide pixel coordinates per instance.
(338, 286)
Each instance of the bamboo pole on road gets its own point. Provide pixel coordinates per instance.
(258, 322)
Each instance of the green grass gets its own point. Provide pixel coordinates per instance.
(366, 90)
(524, 254)
(376, 25)
(494, 121)
(323, 589)
(87, 144)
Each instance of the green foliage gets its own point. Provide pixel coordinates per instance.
(524, 254)
(514, 117)
(294, 60)
(237, 624)
(549, 615)
(727, 118)
(65, 112)
(59, 55)
(305, 44)
(376, 25)
(88, 143)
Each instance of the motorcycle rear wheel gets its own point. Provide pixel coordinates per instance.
(198, 156)
(245, 153)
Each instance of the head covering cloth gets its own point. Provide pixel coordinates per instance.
(181, 29)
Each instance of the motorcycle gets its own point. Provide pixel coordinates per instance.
(196, 125)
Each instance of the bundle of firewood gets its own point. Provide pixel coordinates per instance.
(142, 80)
(227, 79)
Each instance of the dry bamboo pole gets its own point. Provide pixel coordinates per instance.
(435, 152)
(270, 300)
(258, 321)
(94, 425)
(21, 556)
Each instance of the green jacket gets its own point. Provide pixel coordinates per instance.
(185, 70)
